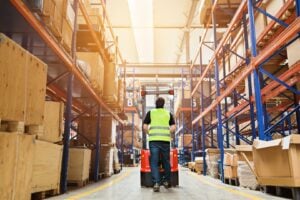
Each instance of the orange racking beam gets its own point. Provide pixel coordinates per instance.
(39, 28)
(268, 92)
(282, 38)
(224, 39)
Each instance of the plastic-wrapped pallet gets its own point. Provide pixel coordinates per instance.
(212, 165)
(246, 177)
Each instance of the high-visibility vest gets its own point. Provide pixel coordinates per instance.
(159, 126)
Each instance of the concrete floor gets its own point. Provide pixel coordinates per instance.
(126, 186)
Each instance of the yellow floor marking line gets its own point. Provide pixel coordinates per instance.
(233, 191)
(101, 187)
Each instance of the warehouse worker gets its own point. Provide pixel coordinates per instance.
(162, 125)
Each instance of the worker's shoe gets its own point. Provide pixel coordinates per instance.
(156, 187)
(166, 184)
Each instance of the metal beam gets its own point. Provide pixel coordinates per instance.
(157, 65)
(154, 75)
(188, 26)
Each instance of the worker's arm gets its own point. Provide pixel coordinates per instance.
(146, 123)
(146, 128)
(172, 124)
(173, 128)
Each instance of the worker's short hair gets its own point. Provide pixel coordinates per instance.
(160, 102)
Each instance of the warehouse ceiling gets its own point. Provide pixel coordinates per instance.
(157, 38)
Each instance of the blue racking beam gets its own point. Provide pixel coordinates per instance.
(268, 131)
(219, 117)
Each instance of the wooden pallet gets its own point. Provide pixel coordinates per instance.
(231, 181)
(12, 126)
(287, 192)
(130, 165)
(44, 194)
(20, 127)
(81, 183)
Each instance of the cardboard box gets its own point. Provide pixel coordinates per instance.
(87, 126)
(22, 84)
(293, 52)
(247, 150)
(230, 172)
(110, 89)
(53, 122)
(13, 59)
(230, 159)
(277, 162)
(35, 91)
(79, 164)
(97, 69)
(46, 167)
(16, 158)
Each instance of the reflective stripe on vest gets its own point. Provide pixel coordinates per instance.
(159, 126)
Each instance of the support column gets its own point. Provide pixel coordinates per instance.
(258, 102)
(202, 120)
(225, 105)
(68, 112)
(219, 112)
(97, 153)
(249, 82)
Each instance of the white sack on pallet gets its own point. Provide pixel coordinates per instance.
(85, 68)
(246, 177)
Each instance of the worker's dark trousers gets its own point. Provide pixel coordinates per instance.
(160, 151)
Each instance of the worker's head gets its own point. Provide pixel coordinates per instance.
(160, 102)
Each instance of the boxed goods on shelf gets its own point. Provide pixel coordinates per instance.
(35, 90)
(199, 165)
(246, 149)
(127, 139)
(293, 52)
(87, 126)
(212, 157)
(16, 158)
(52, 13)
(53, 122)
(46, 167)
(276, 162)
(191, 166)
(22, 93)
(105, 162)
(230, 165)
(110, 89)
(79, 164)
(230, 172)
(96, 66)
(67, 25)
(187, 140)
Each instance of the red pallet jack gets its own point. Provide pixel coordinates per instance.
(146, 179)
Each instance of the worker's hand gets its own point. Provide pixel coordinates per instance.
(172, 129)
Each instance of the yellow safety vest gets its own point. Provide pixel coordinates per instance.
(159, 126)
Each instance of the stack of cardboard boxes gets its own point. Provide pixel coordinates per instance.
(230, 165)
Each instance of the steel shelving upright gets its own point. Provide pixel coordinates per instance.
(256, 103)
(64, 79)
